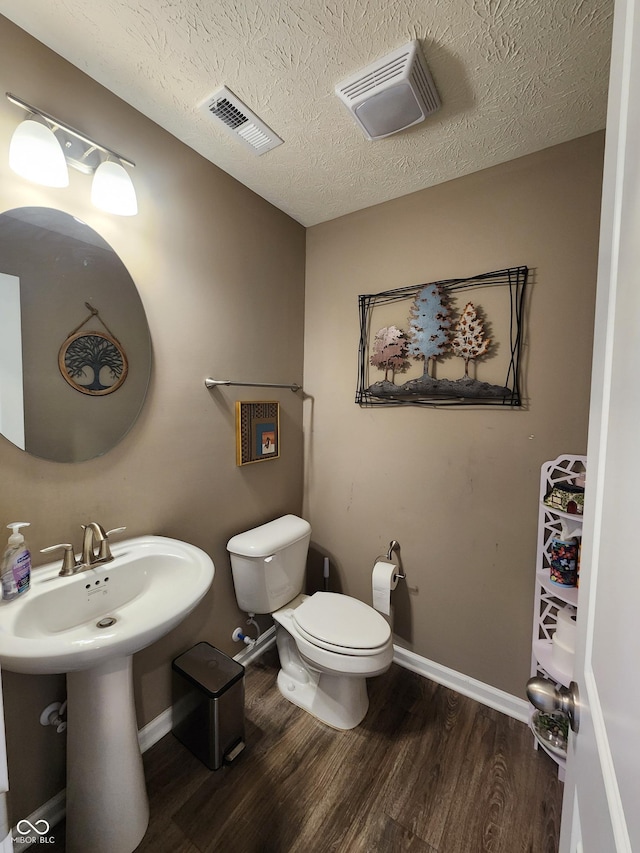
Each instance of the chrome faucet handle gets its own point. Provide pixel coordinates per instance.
(105, 555)
(69, 563)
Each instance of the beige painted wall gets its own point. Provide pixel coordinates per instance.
(458, 488)
(221, 276)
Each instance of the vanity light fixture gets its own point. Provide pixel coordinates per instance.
(42, 147)
(35, 154)
(112, 190)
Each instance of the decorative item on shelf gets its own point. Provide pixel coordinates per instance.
(257, 431)
(94, 356)
(564, 561)
(552, 730)
(563, 556)
(432, 332)
(568, 497)
(578, 566)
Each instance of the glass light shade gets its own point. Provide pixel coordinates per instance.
(35, 154)
(113, 191)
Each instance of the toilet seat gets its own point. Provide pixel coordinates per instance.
(341, 624)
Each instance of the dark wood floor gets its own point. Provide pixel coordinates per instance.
(428, 771)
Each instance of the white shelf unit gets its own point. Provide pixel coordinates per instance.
(550, 596)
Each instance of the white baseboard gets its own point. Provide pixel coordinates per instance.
(478, 690)
(156, 729)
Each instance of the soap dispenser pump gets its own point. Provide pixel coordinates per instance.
(16, 564)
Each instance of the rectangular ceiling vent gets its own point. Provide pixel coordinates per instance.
(240, 121)
(393, 93)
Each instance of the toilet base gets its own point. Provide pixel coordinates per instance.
(339, 701)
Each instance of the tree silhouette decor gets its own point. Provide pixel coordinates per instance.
(429, 326)
(389, 350)
(93, 363)
(468, 340)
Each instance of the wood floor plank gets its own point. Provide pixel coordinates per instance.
(316, 771)
(165, 835)
(364, 757)
(264, 778)
(418, 793)
(481, 781)
(532, 786)
(381, 833)
(493, 779)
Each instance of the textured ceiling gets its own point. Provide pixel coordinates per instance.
(514, 76)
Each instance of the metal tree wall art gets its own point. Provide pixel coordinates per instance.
(93, 362)
(428, 331)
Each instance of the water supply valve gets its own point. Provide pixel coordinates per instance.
(53, 715)
(238, 634)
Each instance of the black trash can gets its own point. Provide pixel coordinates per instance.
(208, 703)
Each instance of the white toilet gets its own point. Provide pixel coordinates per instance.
(329, 644)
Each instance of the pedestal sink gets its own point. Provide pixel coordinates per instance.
(89, 625)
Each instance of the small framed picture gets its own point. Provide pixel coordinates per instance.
(257, 431)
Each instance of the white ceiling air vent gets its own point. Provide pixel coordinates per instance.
(392, 93)
(239, 121)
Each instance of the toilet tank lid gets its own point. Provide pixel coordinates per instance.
(268, 538)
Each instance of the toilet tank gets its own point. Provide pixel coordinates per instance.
(268, 563)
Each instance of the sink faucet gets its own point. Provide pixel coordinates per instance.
(94, 537)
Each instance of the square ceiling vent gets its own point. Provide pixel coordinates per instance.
(391, 94)
(238, 120)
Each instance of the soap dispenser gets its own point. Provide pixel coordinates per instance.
(16, 564)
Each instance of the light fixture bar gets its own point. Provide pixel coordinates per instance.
(56, 123)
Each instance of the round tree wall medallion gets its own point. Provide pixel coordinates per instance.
(93, 362)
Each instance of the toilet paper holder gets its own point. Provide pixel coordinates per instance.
(394, 546)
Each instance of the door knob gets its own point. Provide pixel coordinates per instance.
(549, 699)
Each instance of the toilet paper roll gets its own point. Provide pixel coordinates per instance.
(566, 627)
(562, 656)
(383, 581)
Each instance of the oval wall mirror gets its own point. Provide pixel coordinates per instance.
(75, 349)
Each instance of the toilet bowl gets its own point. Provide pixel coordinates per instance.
(328, 643)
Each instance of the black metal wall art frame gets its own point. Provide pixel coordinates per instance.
(442, 323)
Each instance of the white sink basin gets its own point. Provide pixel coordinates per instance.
(149, 587)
